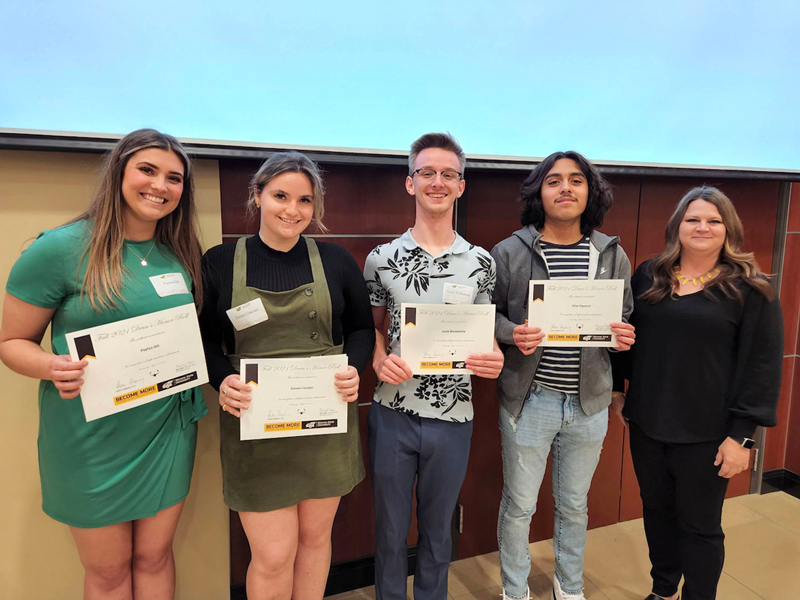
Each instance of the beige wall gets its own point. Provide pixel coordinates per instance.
(38, 559)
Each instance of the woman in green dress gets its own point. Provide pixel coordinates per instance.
(119, 482)
(316, 303)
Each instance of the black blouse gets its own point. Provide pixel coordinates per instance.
(702, 368)
(275, 271)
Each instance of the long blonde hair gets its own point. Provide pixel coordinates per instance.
(733, 264)
(178, 231)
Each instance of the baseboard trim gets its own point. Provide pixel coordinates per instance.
(781, 480)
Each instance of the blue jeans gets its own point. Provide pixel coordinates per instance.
(549, 419)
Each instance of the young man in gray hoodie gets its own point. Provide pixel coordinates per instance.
(553, 397)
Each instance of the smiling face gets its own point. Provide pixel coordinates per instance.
(152, 185)
(564, 192)
(286, 210)
(435, 196)
(702, 230)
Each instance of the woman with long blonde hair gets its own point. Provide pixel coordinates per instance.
(119, 482)
(704, 374)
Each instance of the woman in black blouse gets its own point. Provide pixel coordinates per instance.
(704, 374)
(309, 299)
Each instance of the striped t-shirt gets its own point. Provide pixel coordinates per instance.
(559, 368)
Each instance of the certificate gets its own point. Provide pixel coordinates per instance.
(576, 312)
(139, 360)
(436, 339)
(293, 397)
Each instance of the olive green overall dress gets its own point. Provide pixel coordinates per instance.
(264, 475)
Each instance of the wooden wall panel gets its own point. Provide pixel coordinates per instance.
(234, 179)
(623, 218)
(775, 443)
(354, 526)
(792, 461)
(367, 200)
(483, 485)
(630, 504)
(493, 207)
(794, 208)
(790, 292)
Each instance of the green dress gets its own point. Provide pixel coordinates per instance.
(264, 475)
(128, 465)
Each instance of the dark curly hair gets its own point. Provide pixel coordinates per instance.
(597, 205)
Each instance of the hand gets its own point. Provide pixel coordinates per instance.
(625, 335)
(392, 369)
(527, 338)
(487, 364)
(234, 394)
(617, 404)
(66, 374)
(347, 384)
(733, 458)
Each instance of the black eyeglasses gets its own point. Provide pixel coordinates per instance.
(448, 175)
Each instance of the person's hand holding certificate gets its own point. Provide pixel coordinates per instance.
(139, 360)
(576, 312)
(436, 339)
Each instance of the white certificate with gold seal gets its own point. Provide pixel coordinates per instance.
(576, 312)
(436, 339)
(139, 360)
(292, 397)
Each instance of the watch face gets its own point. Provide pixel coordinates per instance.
(748, 443)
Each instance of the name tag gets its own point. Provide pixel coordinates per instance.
(247, 314)
(169, 284)
(458, 294)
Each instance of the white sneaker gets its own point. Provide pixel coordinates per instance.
(527, 595)
(558, 593)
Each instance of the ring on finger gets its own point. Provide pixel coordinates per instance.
(225, 392)
(224, 408)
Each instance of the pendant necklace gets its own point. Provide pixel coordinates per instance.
(142, 260)
(705, 277)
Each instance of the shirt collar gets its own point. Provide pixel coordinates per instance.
(459, 245)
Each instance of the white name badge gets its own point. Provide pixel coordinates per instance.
(169, 284)
(458, 294)
(247, 314)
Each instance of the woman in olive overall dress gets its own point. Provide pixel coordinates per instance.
(286, 490)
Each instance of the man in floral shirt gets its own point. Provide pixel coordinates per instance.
(420, 426)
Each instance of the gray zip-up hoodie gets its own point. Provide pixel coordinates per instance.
(519, 259)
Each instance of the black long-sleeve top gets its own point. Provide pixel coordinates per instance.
(275, 271)
(701, 368)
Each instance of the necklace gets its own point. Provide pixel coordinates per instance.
(683, 280)
(142, 260)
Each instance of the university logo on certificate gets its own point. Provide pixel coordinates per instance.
(139, 360)
(576, 312)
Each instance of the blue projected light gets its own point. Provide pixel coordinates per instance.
(701, 82)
